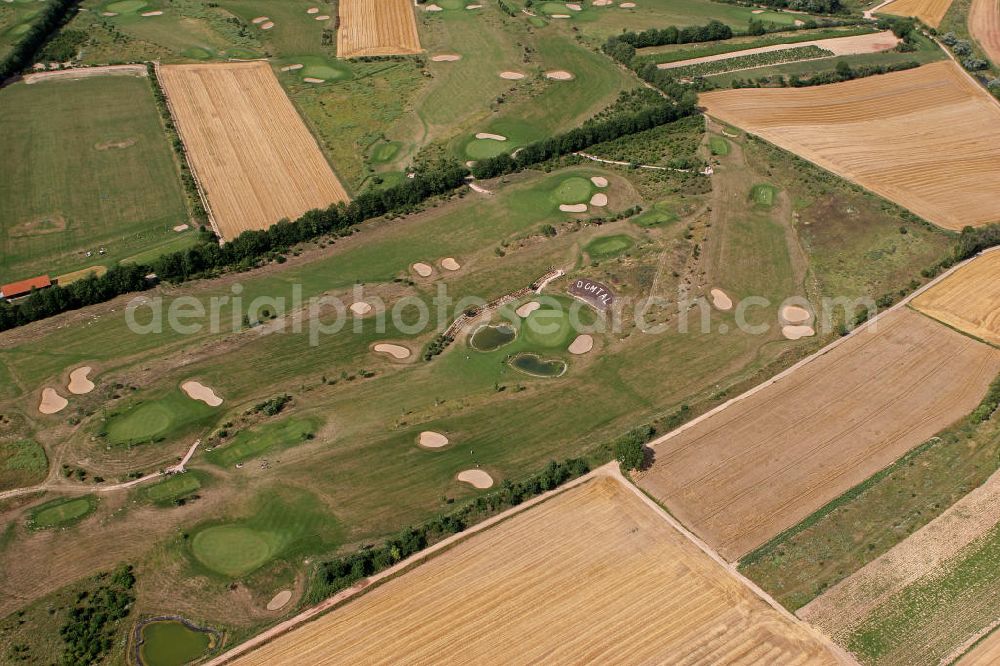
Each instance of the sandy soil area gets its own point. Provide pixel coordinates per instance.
(582, 344)
(279, 600)
(312, 10)
(476, 478)
(764, 462)
(627, 5)
(51, 402)
(198, 391)
(398, 352)
(267, 26)
(526, 309)
(432, 440)
(450, 264)
(433, 8)
(79, 384)
(599, 181)
(600, 200)
(182, 227)
(154, 13)
(511, 76)
(721, 300)
(573, 208)
(422, 269)
(323, 17)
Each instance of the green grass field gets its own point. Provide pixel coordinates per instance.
(603, 248)
(174, 487)
(16, 18)
(93, 170)
(155, 419)
(718, 145)
(763, 194)
(61, 512)
(265, 439)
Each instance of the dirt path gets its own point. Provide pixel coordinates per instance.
(594, 158)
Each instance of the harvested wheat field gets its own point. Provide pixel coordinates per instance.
(926, 138)
(986, 653)
(941, 579)
(248, 147)
(595, 574)
(376, 27)
(968, 299)
(759, 466)
(929, 11)
(984, 25)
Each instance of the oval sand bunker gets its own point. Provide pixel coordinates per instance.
(398, 352)
(600, 200)
(476, 478)
(432, 440)
(492, 137)
(793, 314)
(527, 309)
(512, 76)
(796, 332)
(52, 402)
(599, 181)
(423, 270)
(198, 391)
(446, 58)
(78, 382)
(449, 264)
(573, 208)
(559, 75)
(279, 600)
(361, 308)
(720, 300)
(583, 344)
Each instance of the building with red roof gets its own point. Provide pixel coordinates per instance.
(24, 287)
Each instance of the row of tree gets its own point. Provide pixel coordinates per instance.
(52, 17)
(810, 6)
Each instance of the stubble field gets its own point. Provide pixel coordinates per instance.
(968, 300)
(379, 27)
(984, 25)
(927, 139)
(250, 149)
(760, 466)
(594, 574)
(929, 11)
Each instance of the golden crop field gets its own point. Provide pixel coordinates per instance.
(929, 11)
(376, 27)
(968, 299)
(986, 653)
(252, 154)
(758, 467)
(984, 25)
(595, 574)
(926, 138)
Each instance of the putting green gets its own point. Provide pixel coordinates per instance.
(197, 53)
(172, 643)
(156, 419)
(763, 194)
(253, 442)
(233, 550)
(60, 512)
(450, 4)
(554, 8)
(608, 247)
(125, 6)
(573, 190)
(548, 327)
(659, 213)
(316, 67)
(480, 149)
(173, 487)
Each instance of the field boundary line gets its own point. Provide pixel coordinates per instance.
(870, 324)
(187, 157)
(371, 582)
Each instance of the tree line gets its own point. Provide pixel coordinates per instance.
(52, 17)
(811, 6)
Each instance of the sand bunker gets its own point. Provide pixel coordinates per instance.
(52, 402)
(279, 600)
(573, 7)
(560, 16)
(259, 19)
(573, 208)
(511, 76)
(182, 227)
(793, 314)
(583, 344)
(599, 181)
(292, 68)
(432, 440)
(422, 269)
(109, 13)
(602, 3)
(757, 11)
(310, 79)
(78, 382)
(477, 478)
(156, 13)
(492, 137)
(398, 352)
(527, 309)
(796, 332)
(600, 200)
(312, 10)
(267, 26)
(627, 5)
(198, 391)
(323, 17)
(559, 75)
(432, 8)
(449, 264)
(720, 300)
(361, 308)
(451, 57)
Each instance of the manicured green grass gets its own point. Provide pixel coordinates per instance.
(171, 643)
(658, 214)
(174, 487)
(61, 512)
(573, 190)
(285, 522)
(267, 438)
(718, 145)
(763, 194)
(155, 419)
(94, 171)
(22, 463)
(549, 327)
(608, 247)
(384, 152)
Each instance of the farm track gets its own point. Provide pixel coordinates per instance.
(485, 592)
(927, 139)
(251, 152)
(984, 26)
(385, 27)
